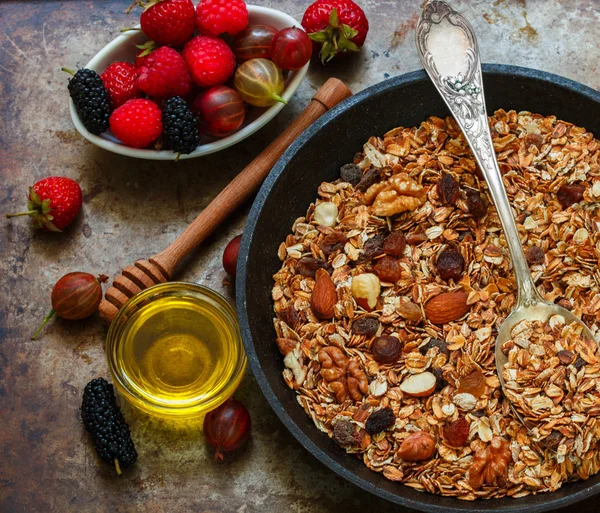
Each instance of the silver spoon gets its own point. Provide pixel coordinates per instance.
(449, 52)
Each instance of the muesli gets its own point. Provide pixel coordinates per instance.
(394, 283)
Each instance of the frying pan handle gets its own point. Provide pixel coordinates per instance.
(249, 180)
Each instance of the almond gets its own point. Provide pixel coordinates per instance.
(419, 385)
(324, 296)
(447, 307)
(418, 446)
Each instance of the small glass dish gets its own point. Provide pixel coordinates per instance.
(175, 350)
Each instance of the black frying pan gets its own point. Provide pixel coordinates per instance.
(316, 156)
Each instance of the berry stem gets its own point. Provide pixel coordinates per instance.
(279, 99)
(44, 322)
(129, 29)
(28, 213)
(118, 467)
(69, 71)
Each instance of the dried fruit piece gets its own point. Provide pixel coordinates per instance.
(371, 177)
(456, 433)
(386, 349)
(373, 247)
(333, 242)
(326, 214)
(473, 384)
(433, 343)
(410, 311)
(324, 295)
(416, 238)
(579, 363)
(553, 439)
(535, 255)
(566, 357)
(450, 264)
(448, 189)
(418, 446)
(440, 382)
(344, 433)
(366, 289)
(380, 420)
(290, 316)
(308, 266)
(490, 465)
(367, 326)
(569, 194)
(476, 204)
(447, 307)
(350, 173)
(419, 385)
(388, 269)
(394, 244)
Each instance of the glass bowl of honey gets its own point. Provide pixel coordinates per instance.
(175, 350)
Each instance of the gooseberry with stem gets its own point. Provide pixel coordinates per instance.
(259, 82)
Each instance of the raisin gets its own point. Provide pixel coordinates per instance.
(533, 140)
(440, 382)
(386, 349)
(553, 439)
(351, 173)
(478, 413)
(448, 189)
(308, 266)
(290, 316)
(456, 433)
(564, 302)
(388, 269)
(372, 248)
(566, 357)
(473, 384)
(450, 264)
(476, 204)
(344, 433)
(569, 194)
(434, 342)
(371, 177)
(394, 244)
(333, 242)
(535, 255)
(380, 420)
(579, 363)
(367, 326)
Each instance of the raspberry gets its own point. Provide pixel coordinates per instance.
(210, 60)
(137, 123)
(164, 74)
(120, 80)
(216, 17)
(169, 22)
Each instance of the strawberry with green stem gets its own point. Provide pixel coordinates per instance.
(53, 203)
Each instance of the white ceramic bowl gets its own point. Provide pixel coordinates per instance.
(123, 49)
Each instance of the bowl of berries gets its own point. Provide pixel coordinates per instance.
(189, 81)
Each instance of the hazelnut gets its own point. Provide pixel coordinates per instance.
(418, 446)
(366, 289)
(326, 214)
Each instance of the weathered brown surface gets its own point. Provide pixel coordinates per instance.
(46, 463)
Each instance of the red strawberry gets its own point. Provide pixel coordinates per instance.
(168, 22)
(337, 26)
(164, 74)
(137, 123)
(119, 79)
(216, 17)
(210, 60)
(53, 203)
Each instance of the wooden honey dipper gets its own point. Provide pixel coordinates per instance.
(161, 267)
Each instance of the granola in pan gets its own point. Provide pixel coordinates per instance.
(394, 283)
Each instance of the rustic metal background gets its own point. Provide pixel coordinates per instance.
(133, 209)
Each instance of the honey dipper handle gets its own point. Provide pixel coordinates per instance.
(248, 181)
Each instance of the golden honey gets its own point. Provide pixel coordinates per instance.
(175, 350)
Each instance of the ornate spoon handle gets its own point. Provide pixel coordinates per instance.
(449, 52)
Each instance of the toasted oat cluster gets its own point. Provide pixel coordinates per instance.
(392, 287)
(552, 378)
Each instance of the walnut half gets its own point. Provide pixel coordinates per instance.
(398, 194)
(344, 376)
(490, 465)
